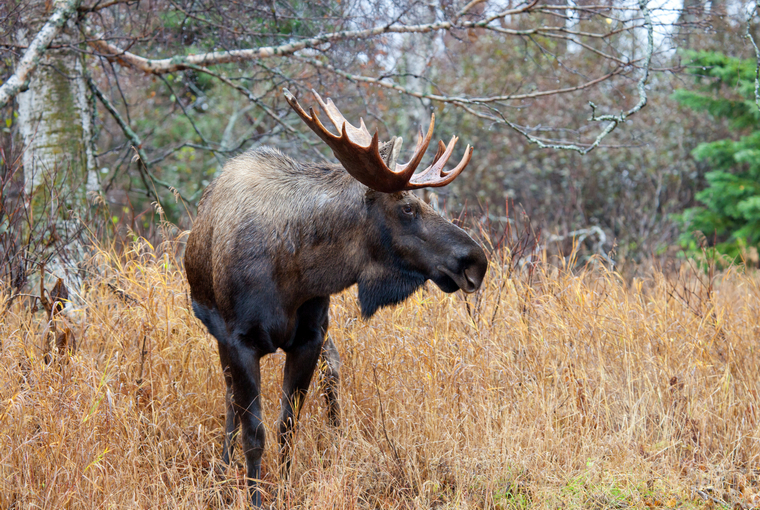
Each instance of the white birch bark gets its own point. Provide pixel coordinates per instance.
(64, 9)
(55, 124)
(55, 121)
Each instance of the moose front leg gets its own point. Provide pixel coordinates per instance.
(300, 363)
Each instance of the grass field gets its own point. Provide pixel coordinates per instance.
(547, 389)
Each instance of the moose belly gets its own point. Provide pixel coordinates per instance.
(271, 328)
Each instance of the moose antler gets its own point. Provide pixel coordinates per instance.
(362, 155)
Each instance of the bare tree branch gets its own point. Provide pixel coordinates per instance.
(177, 63)
(549, 31)
(248, 94)
(178, 101)
(258, 102)
(750, 17)
(613, 120)
(145, 172)
(181, 146)
(589, 8)
(20, 79)
(382, 82)
(98, 6)
(543, 32)
(467, 8)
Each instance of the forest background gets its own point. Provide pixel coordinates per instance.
(136, 104)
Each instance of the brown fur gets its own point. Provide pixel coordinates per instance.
(274, 238)
(266, 206)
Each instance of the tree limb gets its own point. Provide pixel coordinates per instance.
(145, 172)
(613, 120)
(467, 8)
(178, 63)
(750, 16)
(19, 81)
(457, 99)
(549, 31)
(105, 5)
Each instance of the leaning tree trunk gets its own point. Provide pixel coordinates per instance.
(55, 118)
(55, 124)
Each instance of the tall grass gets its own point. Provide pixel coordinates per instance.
(553, 389)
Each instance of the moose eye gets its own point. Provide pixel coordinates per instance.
(407, 209)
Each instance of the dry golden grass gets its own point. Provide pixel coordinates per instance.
(556, 391)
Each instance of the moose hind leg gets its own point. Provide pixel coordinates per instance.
(231, 425)
(300, 363)
(231, 421)
(330, 367)
(246, 386)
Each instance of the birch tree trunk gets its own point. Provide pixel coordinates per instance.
(418, 50)
(55, 124)
(55, 120)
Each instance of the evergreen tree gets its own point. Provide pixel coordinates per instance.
(730, 210)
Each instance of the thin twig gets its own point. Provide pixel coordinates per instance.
(258, 102)
(136, 144)
(613, 120)
(206, 148)
(247, 93)
(750, 16)
(457, 99)
(187, 116)
(105, 5)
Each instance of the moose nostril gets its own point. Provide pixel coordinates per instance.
(469, 276)
(472, 277)
(474, 266)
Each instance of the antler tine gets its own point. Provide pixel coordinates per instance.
(424, 175)
(359, 152)
(419, 150)
(310, 118)
(440, 151)
(434, 176)
(360, 135)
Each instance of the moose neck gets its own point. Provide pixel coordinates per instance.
(348, 244)
(385, 278)
(329, 247)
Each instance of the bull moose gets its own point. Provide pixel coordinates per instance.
(275, 237)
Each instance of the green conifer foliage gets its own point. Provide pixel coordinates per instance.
(730, 210)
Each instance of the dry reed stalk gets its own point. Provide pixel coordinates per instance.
(610, 395)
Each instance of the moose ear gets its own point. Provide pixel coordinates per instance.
(390, 151)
